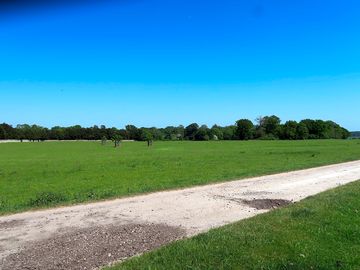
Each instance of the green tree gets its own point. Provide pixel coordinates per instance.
(202, 134)
(117, 140)
(2, 133)
(244, 129)
(289, 130)
(57, 133)
(345, 133)
(133, 133)
(302, 132)
(149, 138)
(217, 133)
(271, 125)
(8, 131)
(190, 131)
(229, 132)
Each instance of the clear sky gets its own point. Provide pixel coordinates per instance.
(158, 63)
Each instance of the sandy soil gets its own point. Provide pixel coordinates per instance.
(181, 213)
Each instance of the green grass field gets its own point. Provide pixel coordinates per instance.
(35, 175)
(322, 232)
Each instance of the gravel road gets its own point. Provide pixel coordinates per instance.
(90, 235)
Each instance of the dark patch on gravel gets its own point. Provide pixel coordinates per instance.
(261, 204)
(92, 248)
(11, 224)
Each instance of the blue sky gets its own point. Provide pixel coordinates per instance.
(158, 63)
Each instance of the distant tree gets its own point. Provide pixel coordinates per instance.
(58, 133)
(289, 130)
(149, 138)
(173, 133)
(202, 133)
(268, 127)
(190, 131)
(260, 121)
(2, 133)
(316, 128)
(217, 132)
(259, 128)
(24, 132)
(148, 135)
(271, 125)
(38, 133)
(302, 132)
(259, 132)
(156, 133)
(133, 133)
(335, 131)
(8, 131)
(229, 132)
(244, 129)
(179, 132)
(345, 134)
(117, 140)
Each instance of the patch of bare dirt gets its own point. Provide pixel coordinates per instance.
(92, 248)
(261, 204)
(11, 224)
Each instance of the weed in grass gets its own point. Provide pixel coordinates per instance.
(85, 196)
(47, 199)
(91, 195)
(107, 194)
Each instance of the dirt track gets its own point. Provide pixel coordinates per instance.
(148, 221)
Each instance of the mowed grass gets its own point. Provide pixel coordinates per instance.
(35, 175)
(322, 232)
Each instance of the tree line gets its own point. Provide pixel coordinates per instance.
(265, 128)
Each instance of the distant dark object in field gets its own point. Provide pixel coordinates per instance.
(261, 204)
(103, 140)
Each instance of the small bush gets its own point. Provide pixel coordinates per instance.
(47, 198)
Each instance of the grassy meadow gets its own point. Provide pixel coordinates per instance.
(36, 175)
(321, 232)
